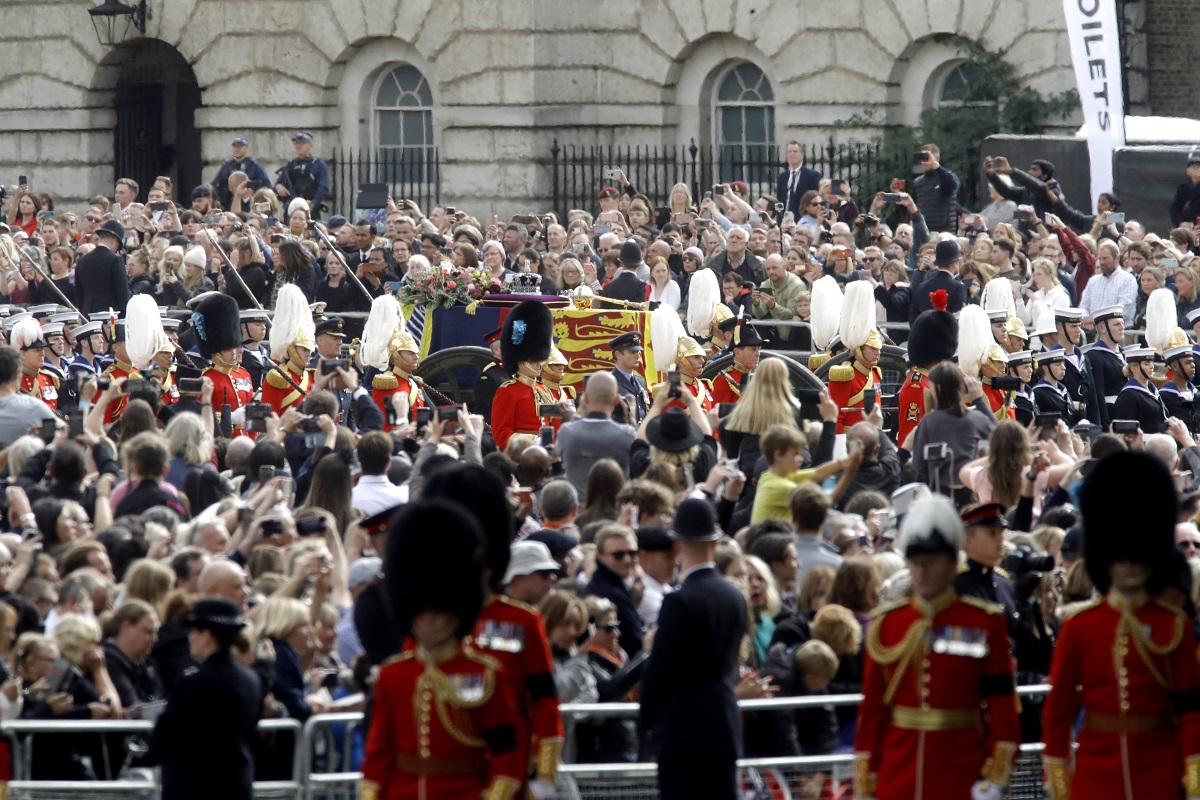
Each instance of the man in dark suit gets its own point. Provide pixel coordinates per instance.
(100, 279)
(627, 358)
(947, 258)
(626, 285)
(793, 182)
(204, 739)
(689, 717)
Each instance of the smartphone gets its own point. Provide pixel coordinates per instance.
(922, 157)
(600, 230)
(310, 424)
(75, 422)
(725, 409)
(972, 219)
(272, 222)
(674, 385)
(1025, 212)
(546, 436)
(313, 526)
(1170, 263)
(22, 180)
(789, 217)
(49, 427)
(1047, 420)
(265, 473)
(549, 410)
(271, 527)
(869, 399)
(1117, 217)
(611, 174)
(1124, 426)
(767, 290)
(836, 186)
(159, 206)
(190, 385)
(63, 676)
(708, 195)
(424, 416)
(863, 274)
(1006, 384)
(277, 238)
(891, 197)
(1046, 218)
(330, 366)
(211, 219)
(718, 190)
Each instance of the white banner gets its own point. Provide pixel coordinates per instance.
(1096, 55)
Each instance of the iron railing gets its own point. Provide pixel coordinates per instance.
(414, 174)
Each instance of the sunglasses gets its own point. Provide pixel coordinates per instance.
(870, 258)
(612, 627)
(1188, 544)
(92, 219)
(621, 555)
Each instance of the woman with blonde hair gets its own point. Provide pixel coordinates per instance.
(681, 203)
(286, 622)
(149, 582)
(265, 203)
(976, 275)
(764, 603)
(767, 401)
(815, 588)
(1152, 278)
(1048, 292)
(190, 445)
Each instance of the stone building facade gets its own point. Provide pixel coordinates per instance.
(489, 83)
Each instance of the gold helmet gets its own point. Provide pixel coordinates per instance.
(688, 347)
(1015, 329)
(720, 313)
(556, 358)
(402, 340)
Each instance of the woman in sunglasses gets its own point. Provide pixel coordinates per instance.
(617, 676)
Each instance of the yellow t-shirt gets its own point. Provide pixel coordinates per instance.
(771, 498)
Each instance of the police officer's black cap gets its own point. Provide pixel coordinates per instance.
(654, 539)
(335, 222)
(241, 141)
(114, 229)
(627, 341)
(215, 614)
(378, 523)
(331, 326)
(695, 521)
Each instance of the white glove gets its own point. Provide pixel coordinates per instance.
(541, 789)
(239, 417)
(986, 790)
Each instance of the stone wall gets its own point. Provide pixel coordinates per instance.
(507, 75)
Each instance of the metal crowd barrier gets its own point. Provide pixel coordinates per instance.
(325, 765)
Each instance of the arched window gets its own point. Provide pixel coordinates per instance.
(403, 125)
(955, 89)
(743, 123)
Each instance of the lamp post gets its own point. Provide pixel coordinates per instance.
(112, 20)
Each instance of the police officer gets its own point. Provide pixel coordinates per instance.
(627, 358)
(241, 161)
(205, 736)
(304, 176)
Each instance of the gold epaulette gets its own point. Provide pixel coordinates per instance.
(405, 656)
(385, 381)
(508, 601)
(707, 382)
(52, 377)
(816, 360)
(1003, 573)
(889, 608)
(841, 372)
(471, 654)
(962, 568)
(654, 389)
(274, 379)
(509, 382)
(368, 790)
(983, 605)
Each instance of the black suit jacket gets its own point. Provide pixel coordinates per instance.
(101, 282)
(625, 286)
(938, 279)
(808, 179)
(204, 737)
(689, 711)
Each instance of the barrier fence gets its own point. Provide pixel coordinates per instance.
(327, 748)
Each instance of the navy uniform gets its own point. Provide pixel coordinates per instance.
(1050, 395)
(1105, 367)
(205, 737)
(1024, 402)
(1138, 401)
(491, 378)
(630, 384)
(689, 717)
(1074, 378)
(92, 334)
(1181, 402)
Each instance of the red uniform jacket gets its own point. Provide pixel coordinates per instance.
(386, 384)
(1131, 668)
(442, 728)
(939, 710)
(700, 388)
(43, 385)
(512, 633)
(911, 400)
(118, 370)
(727, 387)
(846, 386)
(515, 409)
(281, 395)
(234, 387)
(1001, 402)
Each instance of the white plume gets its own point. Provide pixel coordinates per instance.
(998, 295)
(144, 334)
(1161, 319)
(929, 515)
(858, 314)
(826, 311)
(974, 339)
(704, 292)
(292, 317)
(25, 333)
(665, 330)
(382, 323)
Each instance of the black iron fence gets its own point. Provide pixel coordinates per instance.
(578, 171)
(413, 173)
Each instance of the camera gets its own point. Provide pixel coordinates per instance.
(549, 410)
(256, 417)
(938, 451)
(424, 416)
(330, 366)
(310, 424)
(891, 197)
(313, 526)
(136, 385)
(190, 385)
(1024, 560)
(1047, 420)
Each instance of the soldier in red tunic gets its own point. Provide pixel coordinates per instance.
(675, 350)
(120, 367)
(508, 630)
(747, 347)
(443, 720)
(150, 349)
(1001, 401)
(36, 380)
(1129, 660)
(932, 338)
(939, 713)
(524, 347)
(850, 381)
(393, 352)
(980, 357)
(293, 338)
(219, 339)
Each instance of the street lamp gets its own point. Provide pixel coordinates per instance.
(112, 19)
